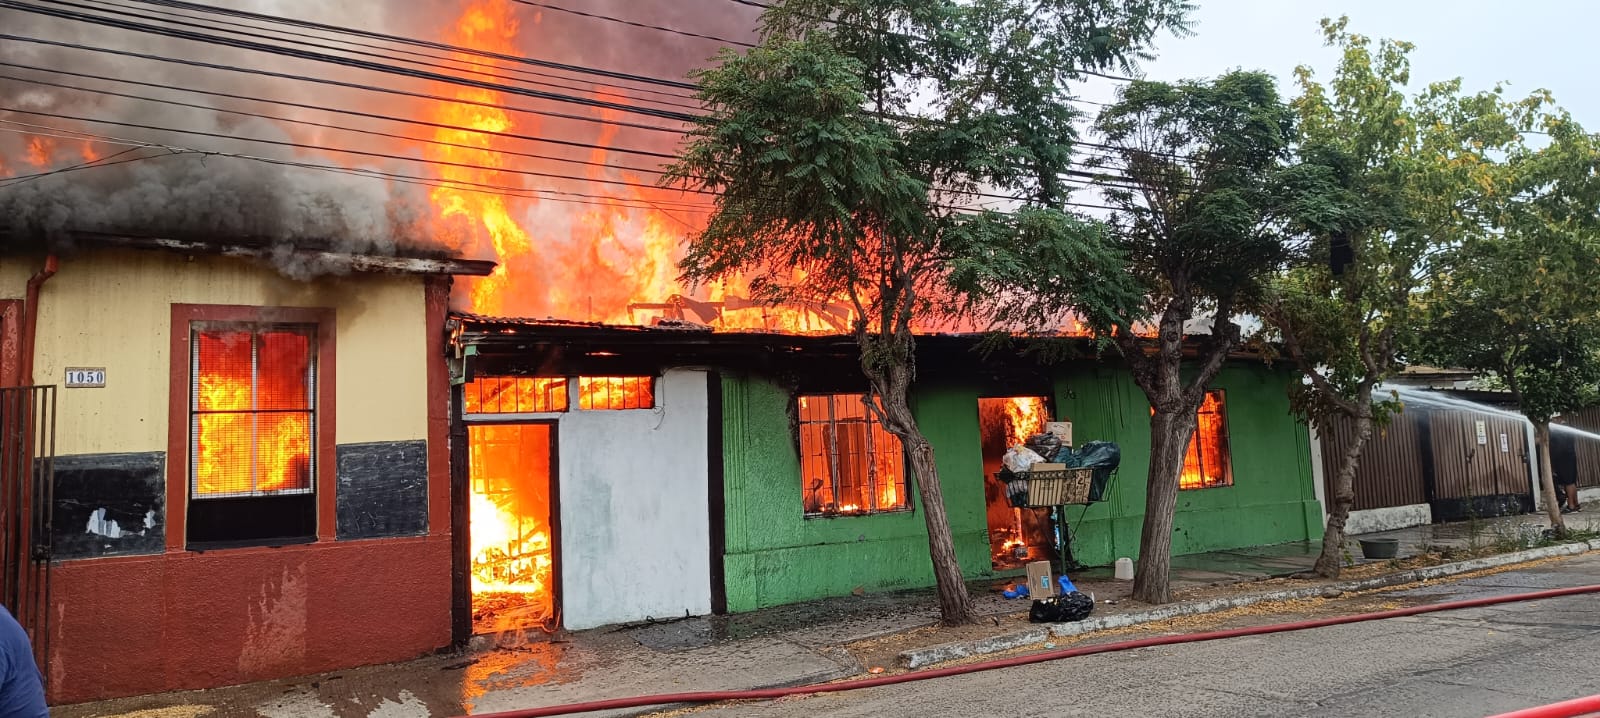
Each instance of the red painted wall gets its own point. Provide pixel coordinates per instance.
(183, 620)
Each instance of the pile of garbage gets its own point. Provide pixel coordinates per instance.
(1102, 456)
(1067, 606)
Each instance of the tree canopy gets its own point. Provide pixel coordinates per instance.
(847, 151)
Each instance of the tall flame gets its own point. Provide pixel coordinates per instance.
(1024, 417)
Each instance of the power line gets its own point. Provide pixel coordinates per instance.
(341, 150)
(345, 44)
(91, 164)
(475, 187)
(609, 18)
(335, 110)
(336, 83)
(325, 125)
(422, 43)
(344, 61)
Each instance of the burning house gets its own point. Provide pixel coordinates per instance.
(724, 471)
(250, 472)
(278, 457)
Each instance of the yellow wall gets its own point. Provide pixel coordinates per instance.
(14, 273)
(113, 310)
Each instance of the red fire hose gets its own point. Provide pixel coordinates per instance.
(1566, 709)
(771, 693)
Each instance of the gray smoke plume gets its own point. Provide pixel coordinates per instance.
(196, 186)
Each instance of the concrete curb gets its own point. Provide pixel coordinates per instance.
(920, 657)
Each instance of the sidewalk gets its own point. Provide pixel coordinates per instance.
(789, 645)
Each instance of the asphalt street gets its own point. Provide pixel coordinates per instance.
(1459, 664)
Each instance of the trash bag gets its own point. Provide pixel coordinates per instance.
(1102, 456)
(1020, 459)
(1043, 444)
(1074, 606)
(1065, 455)
(1018, 591)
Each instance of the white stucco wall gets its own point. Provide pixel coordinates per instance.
(635, 536)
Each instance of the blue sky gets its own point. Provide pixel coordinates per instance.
(1527, 43)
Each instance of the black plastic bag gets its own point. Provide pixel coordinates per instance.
(1045, 445)
(1102, 456)
(1071, 607)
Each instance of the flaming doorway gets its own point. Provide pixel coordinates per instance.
(511, 474)
(1016, 536)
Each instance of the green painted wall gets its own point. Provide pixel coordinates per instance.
(774, 555)
(1272, 499)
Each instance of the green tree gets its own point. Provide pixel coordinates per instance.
(1382, 182)
(843, 147)
(1191, 172)
(1520, 300)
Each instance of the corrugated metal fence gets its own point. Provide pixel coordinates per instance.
(1477, 454)
(1432, 456)
(1390, 470)
(1585, 460)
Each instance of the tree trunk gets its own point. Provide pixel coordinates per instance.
(955, 606)
(1331, 561)
(1547, 480)
(1169, 442)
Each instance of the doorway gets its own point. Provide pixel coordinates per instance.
(1016, 536)
(512, 527)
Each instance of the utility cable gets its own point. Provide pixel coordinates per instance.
(344, 150)
(322, 108)
(422, 43)
(336, 60)
(340, 128)
(477, 187)
(335, 83)
(609, 18)
(478, 69)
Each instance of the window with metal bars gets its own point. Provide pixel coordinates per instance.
(252, 410)
(515, 395)
(616, 392)
(849, 465)
(540, 395)
(1207, 463)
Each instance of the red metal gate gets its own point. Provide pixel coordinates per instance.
(27, 479)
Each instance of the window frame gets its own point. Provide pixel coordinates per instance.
(313, 512)
(572, 388)
(255, 330)
(831, 449)
(1198, 446)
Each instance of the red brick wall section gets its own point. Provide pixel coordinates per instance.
(178, 621)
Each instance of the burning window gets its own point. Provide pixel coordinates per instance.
(252, 414)
(1207, 462)
(515, 395)
(848, 463)
(616, 392)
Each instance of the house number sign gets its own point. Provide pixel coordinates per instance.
(86, 377)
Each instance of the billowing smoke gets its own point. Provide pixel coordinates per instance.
(198, 172)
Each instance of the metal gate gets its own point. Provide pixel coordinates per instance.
(27, 480)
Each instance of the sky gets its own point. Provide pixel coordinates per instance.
(1527, 43)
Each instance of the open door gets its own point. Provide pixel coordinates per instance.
(511, 514)
(1016, 536)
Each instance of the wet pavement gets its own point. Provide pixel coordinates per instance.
(789, 645)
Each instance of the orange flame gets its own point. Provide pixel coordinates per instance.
(39, 150)
(1024, 417)
(513, 558)
(241, 443)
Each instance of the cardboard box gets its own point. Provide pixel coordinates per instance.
(1040, 583)
(1062, 430)
(1044, 466)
